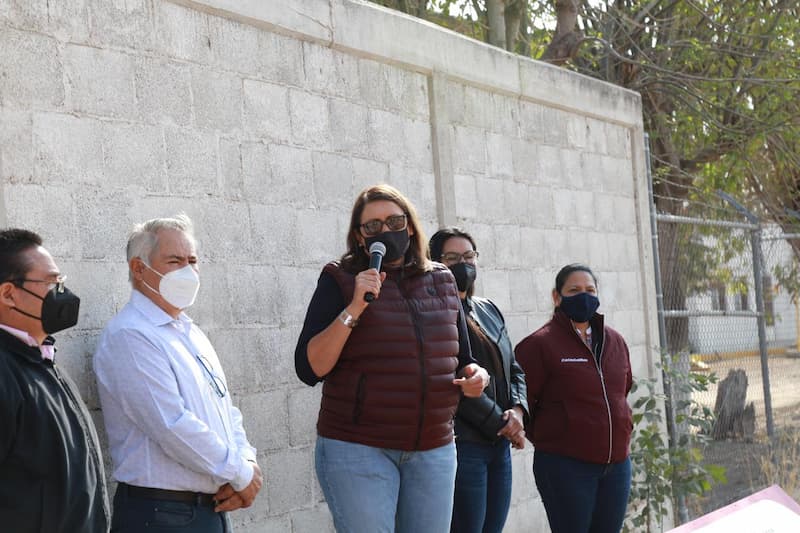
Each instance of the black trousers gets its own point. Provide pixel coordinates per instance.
(134, 515)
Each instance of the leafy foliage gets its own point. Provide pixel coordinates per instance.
(662, 473)
(788, 277)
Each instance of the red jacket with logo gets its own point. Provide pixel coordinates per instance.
(578, 402)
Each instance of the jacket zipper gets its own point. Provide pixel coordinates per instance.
(90, 442)
(359, 398)
(502, 360)
(598, 365)
(421, 357)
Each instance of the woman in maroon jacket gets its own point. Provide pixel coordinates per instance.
(578, 374)
(394, 366)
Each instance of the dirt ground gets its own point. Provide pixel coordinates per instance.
(754, 465)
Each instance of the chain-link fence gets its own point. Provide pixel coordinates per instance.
(726, 307)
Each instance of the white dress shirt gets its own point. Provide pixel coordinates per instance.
(167, 426)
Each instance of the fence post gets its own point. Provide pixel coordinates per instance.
(758, 262)
(672, 426)
(761, 319)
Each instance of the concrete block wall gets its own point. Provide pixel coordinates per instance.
(262, 121)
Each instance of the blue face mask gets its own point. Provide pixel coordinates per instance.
(580, 307)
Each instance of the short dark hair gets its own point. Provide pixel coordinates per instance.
(563, 274)
(14, 242)
(436, 245)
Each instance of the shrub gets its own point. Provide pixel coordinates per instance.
(662, 475)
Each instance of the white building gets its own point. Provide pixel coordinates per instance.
(721, 334)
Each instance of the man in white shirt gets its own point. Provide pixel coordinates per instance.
(179, 451)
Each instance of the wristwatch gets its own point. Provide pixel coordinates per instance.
(347, 319)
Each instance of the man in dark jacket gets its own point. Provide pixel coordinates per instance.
(51, 473)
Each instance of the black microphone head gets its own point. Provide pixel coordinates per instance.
(377, 247)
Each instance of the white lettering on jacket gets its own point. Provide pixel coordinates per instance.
(574, 360)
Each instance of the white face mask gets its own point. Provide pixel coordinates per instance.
(179, 287)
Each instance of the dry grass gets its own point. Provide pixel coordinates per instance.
(782, 466)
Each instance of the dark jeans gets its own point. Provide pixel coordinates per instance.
(582, 497)
(483, 487)
(135, 515)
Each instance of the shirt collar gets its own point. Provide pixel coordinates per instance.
(153, 313)
(46, 348)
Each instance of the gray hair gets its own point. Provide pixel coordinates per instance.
(143, 239)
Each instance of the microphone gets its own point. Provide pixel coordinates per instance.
(376, 252)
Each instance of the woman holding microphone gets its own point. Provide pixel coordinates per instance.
(393, 372)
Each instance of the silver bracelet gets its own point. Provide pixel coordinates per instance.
(347, 319)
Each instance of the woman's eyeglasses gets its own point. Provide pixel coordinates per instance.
(454, 257)
(374, 226)
(216, 382)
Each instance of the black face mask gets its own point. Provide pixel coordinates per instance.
(580, 307)
(59, 309)
(465, 275)
(396, 243)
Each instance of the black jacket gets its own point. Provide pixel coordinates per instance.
(51, 473)
(479, 419)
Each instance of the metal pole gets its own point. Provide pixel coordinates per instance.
(662, 326)
(797, 324)
(672, 426)
(755, 239)
(761, 320)
(663, 217)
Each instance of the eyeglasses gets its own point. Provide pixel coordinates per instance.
(214, 380)
(394, 223)
(57, 283)
(454, 257)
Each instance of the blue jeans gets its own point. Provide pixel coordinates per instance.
(134, 515)
(377, 490)
(582, 497)
(483, 487)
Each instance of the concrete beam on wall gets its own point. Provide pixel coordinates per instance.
(644, 230)
(3, 221)
(306, 19)
(442, 148)
(368, 30)
(399, 38)
(561, 88)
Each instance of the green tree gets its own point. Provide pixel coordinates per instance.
(718, 81)
(719, 85)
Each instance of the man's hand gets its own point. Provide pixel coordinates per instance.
(248, 494)
(230, 500)
(513, 430)
(473, 379)
(227, 499)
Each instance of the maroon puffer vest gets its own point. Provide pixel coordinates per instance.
(392, 386)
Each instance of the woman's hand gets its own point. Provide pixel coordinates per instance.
(472, 380)
(514, 429)
(367, 281)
